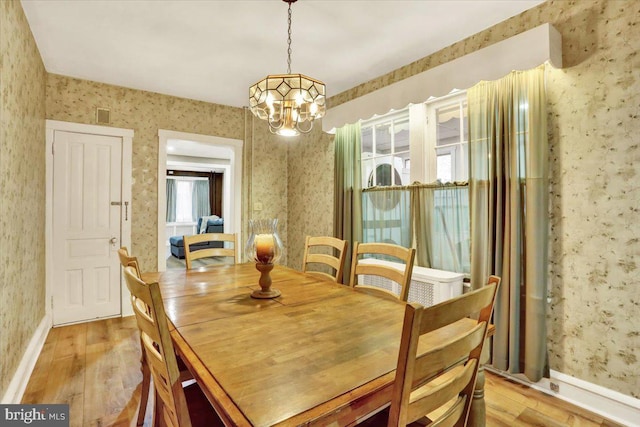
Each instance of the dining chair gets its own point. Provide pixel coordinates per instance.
(435, 385)
(211, 238)
(326, 259)
(175, 405)
(401, 276)
(127, 260)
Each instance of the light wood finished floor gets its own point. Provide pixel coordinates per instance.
(95, 367)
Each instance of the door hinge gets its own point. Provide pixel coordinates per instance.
(53, 149)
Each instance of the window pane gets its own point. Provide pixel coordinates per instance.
(383, 138)
(444, 167)
(401, 135)
(448, 129)
(367, 170)
(367, 140)
(183, 201)
(401, 164)
(383, 174)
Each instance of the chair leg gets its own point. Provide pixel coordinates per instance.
(144, 390)
(157, 411)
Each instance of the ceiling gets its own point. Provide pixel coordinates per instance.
(213, 50)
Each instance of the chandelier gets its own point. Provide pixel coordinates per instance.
(288, 102)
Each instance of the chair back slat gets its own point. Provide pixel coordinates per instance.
(381, 271)
(430, 380)
(128, 260)
(438, 360)
(160, 355)
(332, 257)
(329, 260)
(406, 257)
(427, 399)
(454, 309)
(225, 251)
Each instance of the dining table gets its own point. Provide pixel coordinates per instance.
(320, 354)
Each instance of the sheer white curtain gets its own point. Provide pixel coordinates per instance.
(433, 218)
(386, 215)
(442, 226)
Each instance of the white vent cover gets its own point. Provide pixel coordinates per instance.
(428, 286)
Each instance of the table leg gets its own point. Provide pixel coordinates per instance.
(477, 413)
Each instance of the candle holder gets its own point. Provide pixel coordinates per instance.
(264, 247)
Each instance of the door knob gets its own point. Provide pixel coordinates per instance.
(113, 240)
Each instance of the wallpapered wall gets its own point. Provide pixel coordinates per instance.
(593, 127)
(594, 103)
(310, 191)
(267, 177)
(594, 327)
(22, 188)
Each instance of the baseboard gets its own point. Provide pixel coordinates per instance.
(610, 404)
(21, 377)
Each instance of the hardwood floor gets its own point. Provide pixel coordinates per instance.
(95, 368)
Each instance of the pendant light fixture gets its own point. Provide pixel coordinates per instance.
(288, 102)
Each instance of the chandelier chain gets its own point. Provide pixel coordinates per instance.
(289, 43)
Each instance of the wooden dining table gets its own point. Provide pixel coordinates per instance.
(321, 354)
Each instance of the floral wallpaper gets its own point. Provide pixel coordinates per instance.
(593, 108)
(594, 102)
(267, 176)
(310, 191)
(22, 188)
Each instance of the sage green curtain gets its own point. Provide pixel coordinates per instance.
(508, 184)
(422, 207)
(348, 189)
(171, 200)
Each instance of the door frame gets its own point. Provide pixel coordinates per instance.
(125, 231)
(232, 200)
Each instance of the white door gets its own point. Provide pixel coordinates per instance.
(87, 175)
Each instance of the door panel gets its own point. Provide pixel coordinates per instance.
(86, 226)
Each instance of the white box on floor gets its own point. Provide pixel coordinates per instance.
(428, 286)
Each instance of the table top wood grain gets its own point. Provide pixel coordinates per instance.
(320, 354)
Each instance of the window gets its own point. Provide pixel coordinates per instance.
(187, 199)
(436, 138)
(427, 143)
(184, 200)
(448, 138)
(385, 151)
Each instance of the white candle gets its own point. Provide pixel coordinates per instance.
(265, 250)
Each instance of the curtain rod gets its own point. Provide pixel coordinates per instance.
(455, 184)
